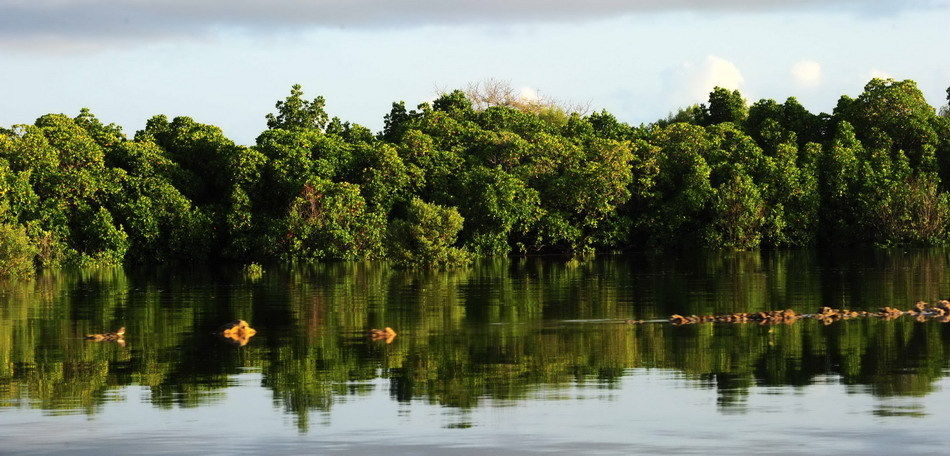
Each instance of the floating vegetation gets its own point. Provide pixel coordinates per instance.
(922, 311)
(118, 334)
(118, 337)
(238, 332)
(383, 334)
(253, 271)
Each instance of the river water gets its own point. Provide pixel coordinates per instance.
(520, 356)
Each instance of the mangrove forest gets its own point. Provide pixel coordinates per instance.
(469, 176)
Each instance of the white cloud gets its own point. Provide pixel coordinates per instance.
(691, 82)
(719, 72)
(807, 73)
(529, 94)
(880, 74)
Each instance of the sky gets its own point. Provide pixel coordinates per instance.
(226, 62)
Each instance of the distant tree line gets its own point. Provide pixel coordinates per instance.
(453, 179)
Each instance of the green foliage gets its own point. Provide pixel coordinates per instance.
(791, 195)
(498, 208)
(725, 106)
(892, 114)
(386, 178)
(913, 212)
(493, 176)
(693, 114)
(790, 117)
(296, 113)
(739, 210)
(104, 135)
(16, 253)
(330, 221)
(396, 122)
(50, 248)
(426, 237)
(253, 271)
(839, 174)
(291, 157)
(676, 210)
(97, 239)
(455, 103)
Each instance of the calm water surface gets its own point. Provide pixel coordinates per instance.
(509, 357)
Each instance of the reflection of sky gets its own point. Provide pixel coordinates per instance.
(638, 64)
(651, 411)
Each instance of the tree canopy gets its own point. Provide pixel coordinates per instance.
(477, 174)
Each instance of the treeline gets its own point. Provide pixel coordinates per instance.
(447, 181)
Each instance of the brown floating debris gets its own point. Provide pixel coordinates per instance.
(383, 334)
(118, 335)
(890, 313)
(924, 311)
(677, 319)
(765, 317)
(237, 332)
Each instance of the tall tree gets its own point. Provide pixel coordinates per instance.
(725, 106)
(296, 113)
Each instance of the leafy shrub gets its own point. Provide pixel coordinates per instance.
(426, 237)
(16, 253)
(330, 221)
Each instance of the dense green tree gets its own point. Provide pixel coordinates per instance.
(678, 207)
(892, 114)
(498, 208)
(104, 135)
(16, 252)
(605, 125)
(439, 167)
(329, 221)
(295, 156)
(739, 212)
(792, 196)
(839, 178)
(790, 116)
(397, 122)
(455, 103)
(97, 238)
(692, 114)
(385, 178)
(725, 106)
(426, 236)
(297, 113)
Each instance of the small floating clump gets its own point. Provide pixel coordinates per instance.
(924, 311)
(238, 332)
(383, 334)
(252, 271)
(117, 336)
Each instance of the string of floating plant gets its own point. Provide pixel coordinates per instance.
(922, 311)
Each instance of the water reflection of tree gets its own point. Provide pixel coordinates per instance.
(494, 331)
